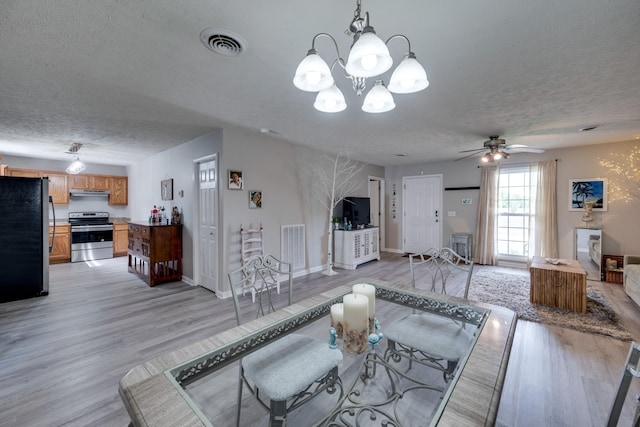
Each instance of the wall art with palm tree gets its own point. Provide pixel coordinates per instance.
(592, 190)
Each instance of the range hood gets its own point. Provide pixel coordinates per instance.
(86, 193)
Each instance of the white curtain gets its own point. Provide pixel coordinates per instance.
(543, 229)
(485, 246)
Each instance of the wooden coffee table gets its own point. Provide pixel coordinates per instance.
(563, 285)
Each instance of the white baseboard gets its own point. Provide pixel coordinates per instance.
(395, 251)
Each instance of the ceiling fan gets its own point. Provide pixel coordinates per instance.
(495, 148)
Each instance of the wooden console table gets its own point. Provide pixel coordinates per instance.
(155, 252)
(563, 285)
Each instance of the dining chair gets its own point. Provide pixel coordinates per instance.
(429, 339)
(290, 371)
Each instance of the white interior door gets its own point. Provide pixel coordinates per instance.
(422, 212)
(208, 225)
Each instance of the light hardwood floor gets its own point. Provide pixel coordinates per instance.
(61, 356)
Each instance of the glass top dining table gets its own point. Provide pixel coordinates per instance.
(376, 391)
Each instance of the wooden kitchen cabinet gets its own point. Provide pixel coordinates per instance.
(155, 252)
(120, 238)
(61, 245)
(26, 173)
(89, 182)
(58, 188)
(58, 185)
(118, 190)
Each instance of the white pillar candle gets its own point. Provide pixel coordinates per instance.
(337, 318)
(356, 322)
(370, 292)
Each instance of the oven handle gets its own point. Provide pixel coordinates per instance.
(91, 228)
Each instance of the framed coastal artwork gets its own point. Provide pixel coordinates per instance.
(588, 190)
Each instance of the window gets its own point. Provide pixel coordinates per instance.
(515, 211)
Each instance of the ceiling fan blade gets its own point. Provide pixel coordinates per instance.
(475, 149)
(469, 155)
(524, 149)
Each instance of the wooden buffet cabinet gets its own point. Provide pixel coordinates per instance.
(155, 252)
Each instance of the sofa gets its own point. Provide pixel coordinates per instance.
(631, 277)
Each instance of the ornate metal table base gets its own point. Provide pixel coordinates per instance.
(375, 394)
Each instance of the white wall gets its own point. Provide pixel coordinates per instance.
(267, 164)
(619, 163)
(176, 163)
(277, 169)
(454, 175)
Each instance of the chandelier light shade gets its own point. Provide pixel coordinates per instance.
(378, 100)
(76, 166)
(409, 76)
(369, 57)
(313, 73)
(330, 100)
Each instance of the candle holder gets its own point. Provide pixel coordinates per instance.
(356, 323)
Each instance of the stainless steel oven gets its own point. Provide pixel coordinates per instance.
(91, 236)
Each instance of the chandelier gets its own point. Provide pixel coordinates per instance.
(368, 57)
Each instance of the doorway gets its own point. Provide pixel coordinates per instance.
(422, 212)
(376, 196)
(207, 223)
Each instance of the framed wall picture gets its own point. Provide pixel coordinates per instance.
(235, 180)
(255, 199)
(592, 190)
(166, 189)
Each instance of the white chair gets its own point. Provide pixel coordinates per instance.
(429, 339)
(290, 371)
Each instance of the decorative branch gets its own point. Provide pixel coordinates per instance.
(331, 179)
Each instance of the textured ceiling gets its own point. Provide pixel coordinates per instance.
(131, 78)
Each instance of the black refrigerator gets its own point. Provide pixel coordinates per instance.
(24, 237)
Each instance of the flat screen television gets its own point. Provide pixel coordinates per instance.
(357, 210)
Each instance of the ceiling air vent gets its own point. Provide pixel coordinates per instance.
(223, 42)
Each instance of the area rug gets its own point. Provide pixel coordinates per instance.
(512, 291)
